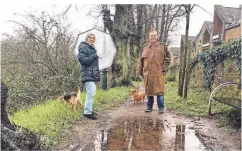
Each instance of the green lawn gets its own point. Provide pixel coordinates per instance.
(195, 104)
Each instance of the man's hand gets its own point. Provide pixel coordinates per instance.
(163, 70)
(138, 77)
(137, 73)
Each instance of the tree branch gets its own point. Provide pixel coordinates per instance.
(204, 10)
(66, 10)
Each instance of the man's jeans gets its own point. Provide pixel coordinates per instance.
(160, 102)
(90, 89)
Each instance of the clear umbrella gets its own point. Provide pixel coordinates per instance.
(104, 43)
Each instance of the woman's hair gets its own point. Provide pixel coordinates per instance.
(89, 35)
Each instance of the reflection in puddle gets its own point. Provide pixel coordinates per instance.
(180, 137)
(147, 134)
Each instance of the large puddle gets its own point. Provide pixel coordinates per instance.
(146, 134)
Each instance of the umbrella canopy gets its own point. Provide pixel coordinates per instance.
(104, 43)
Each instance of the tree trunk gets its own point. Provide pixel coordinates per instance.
(140, 22)
(180, 91)
(188, 9)
(187, 74)
(153, 12)
(162, 22)
(166, 30)
(157, 18)
(10, 138)
(4, 116)
(146, 22)
(123, 27)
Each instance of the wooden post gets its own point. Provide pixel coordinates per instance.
(187, 74)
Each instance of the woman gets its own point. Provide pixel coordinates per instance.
(90, 75)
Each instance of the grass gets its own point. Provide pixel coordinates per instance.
(50, 119)
(195, 104)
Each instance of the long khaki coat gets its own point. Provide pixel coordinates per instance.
(152, 65)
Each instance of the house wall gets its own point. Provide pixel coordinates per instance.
(206, 37)
(234, 33)
(198, 46)
(217, 24)
(172, 58)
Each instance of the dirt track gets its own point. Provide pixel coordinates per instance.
(128, 127)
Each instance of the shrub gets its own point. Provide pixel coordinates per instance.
(170, 78)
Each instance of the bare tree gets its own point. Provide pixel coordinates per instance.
(184, 65)
(37, 62)
(162, 22)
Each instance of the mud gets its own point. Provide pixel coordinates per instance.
(128, 127)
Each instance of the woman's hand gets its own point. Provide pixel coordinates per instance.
(100, 54)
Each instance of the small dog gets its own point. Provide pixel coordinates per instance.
(137, 96)
(73, 99)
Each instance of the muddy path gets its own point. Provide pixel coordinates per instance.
(128, 127)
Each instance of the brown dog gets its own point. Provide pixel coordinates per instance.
(137, 96)
(73, 99)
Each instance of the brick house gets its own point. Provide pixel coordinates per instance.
(226, 27)
(233, 31)
(204, 37)
(225, 19)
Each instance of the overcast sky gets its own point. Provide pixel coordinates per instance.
(77, 16)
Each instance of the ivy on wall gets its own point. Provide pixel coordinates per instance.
(213, 57)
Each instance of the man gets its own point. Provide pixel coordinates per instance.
(88, 58)
(152, 65)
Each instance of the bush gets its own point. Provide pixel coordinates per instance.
(170, 78)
